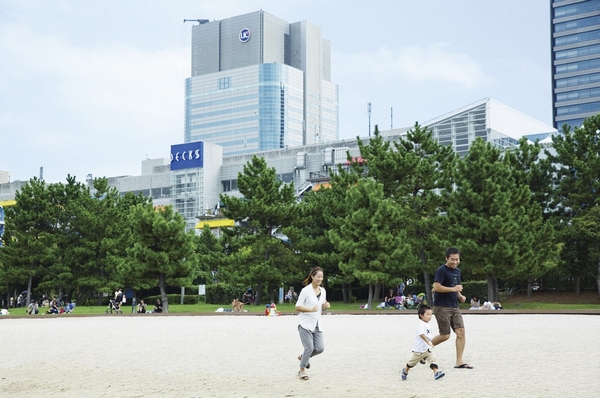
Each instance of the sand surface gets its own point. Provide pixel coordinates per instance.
(254, 356)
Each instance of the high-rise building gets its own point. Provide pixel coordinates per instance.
(260, 83)
(575, 61)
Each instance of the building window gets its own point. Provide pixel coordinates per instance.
(223, 83)
(225, 186)
(228, 185)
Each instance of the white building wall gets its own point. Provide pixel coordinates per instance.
(148, 165)
(213, 159)
(4, 176)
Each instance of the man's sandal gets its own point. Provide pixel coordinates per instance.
(463, 366)
(302, 374)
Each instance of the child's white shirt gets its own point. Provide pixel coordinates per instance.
(422, 328)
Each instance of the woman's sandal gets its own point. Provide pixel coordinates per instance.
(302, 374)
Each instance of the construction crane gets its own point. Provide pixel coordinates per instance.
(200, 21)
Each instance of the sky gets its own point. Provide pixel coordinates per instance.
(97, 86)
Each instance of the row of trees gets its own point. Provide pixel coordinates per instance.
(61, 239)
(518, 216)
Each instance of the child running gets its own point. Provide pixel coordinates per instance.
(422, 347)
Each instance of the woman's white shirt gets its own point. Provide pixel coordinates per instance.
(308, 299)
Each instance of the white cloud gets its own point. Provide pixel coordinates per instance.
(115, 100)
(435, 63)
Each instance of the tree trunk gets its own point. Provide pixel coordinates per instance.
(350, 295)
(163, 293)
(377, 292)
(345, 293)
(529, 286)
(496, 295)
(578, 286)
(428, 293)
(259, 293)
(490, 288)
(274, 294)
(29, 286)
(370, 300)
(426, 279)
(598, 278)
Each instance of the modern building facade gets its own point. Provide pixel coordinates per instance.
(195, 169)
(575, 60)
(260, 83)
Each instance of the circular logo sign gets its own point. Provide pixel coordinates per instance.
(244, 35)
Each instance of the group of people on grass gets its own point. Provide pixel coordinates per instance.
(142, 307)
(395, 299)
(448, 294)
(487, 305)
(53, 308)
(248, 298)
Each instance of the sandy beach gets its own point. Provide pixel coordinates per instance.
(254, 356)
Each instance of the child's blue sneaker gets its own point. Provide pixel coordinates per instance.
(405, 375)
(439, 375)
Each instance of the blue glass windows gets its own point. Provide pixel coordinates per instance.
(223, 83)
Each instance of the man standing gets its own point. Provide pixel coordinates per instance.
(447, 286)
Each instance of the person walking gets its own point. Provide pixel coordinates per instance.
(447, 286)
(311, 301)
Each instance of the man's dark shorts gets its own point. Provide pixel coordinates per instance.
(448, 318)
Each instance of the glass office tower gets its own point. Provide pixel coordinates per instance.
(259, 83)
(575, 61)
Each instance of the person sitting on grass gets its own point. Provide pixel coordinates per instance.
(390, 299)
(33, 309)
(53, 308)
(141, 307)
(475, 305)
(158, 306)
(487, 305)
(69, 307)
(291, 295)
(237, 305)
(273, 310)
(248, 297)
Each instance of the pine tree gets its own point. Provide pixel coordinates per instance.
(161, 249)
(413, 171)
(492, 218)
(576, 156)
(370, 239)
(257, 256)
(29, 238)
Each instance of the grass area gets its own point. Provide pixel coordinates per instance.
(538, 301)
(553, 300)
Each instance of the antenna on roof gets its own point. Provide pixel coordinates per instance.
(369, 112)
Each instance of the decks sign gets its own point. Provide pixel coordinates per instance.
(187, 156)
